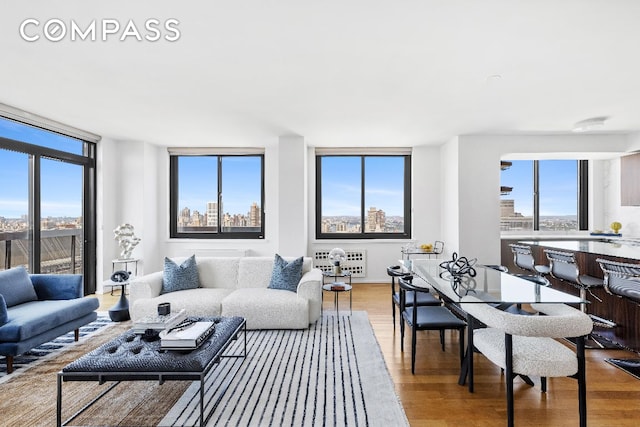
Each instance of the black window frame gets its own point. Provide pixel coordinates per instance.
(582, 189)
(220, 234)
(406, 234)
(88, 161)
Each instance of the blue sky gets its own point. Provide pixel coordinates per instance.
(61, 183)
(341, 185)
(198, 177)
(558, 186)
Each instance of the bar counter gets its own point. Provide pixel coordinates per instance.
(624, 312)
(623, 250)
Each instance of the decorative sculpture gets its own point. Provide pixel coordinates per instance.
(127, 240)
(458, 269)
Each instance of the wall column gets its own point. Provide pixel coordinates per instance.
(292, 196)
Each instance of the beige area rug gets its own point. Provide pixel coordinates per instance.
(29, 399)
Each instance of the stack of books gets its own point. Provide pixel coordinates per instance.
(159, 323)
(189, 335)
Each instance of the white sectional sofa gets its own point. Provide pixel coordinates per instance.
(236, 287)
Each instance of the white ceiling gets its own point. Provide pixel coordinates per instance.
(338, 72)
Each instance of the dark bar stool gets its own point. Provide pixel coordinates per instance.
(564, 267)
(423, 298)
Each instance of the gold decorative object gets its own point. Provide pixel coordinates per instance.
(616, 226)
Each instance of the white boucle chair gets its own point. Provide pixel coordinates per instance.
(525, 345)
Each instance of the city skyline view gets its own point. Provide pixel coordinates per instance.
(558, 195)
(198, 184)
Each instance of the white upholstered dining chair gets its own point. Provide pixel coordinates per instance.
(525, 345)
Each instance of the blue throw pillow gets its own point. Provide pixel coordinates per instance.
(4, 316)
(180, 277)
(286, 275)
(16, 286)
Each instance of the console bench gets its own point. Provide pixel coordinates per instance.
(130, 358)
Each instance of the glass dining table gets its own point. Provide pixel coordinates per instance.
(488, 286)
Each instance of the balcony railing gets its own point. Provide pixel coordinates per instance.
(60, 249)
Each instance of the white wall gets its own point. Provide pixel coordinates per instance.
(455, 198)
(127, 186)
(449, 199)
(292, 196)
(108, 185)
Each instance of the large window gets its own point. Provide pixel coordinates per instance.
(543, 195)
(363, 196)
(47, 202)
(217, 196)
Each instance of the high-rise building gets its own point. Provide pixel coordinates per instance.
(197, 220)
(376, 219)
(507, 208)
(184, 217)
(371, 219)
(254, 215)
(212, 214)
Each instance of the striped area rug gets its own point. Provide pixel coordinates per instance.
(330, 374)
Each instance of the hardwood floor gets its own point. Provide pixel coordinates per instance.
(432, 397)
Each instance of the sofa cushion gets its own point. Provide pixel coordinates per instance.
(286, 275)
(3, 311)
(197, 302)
(35, 317)
(180, 277)
(218, 272)
(16, 286)
(268, 308)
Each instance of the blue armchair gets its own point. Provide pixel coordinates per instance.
(36, 308)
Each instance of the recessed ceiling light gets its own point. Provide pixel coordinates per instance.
(588, 125)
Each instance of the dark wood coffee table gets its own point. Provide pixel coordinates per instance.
(130, 358)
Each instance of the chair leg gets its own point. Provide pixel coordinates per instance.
(413, 350)
(393, 304)
(543, 384)
(461, 338)
(509, 378)
(401, 332)
(9, 364)
(582, 382)
(76, 334)
(442, 339)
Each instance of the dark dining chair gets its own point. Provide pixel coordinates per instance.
(421, 298)
(425, 318)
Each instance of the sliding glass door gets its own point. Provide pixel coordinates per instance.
(61, 218)
(47, 202)
(15, 222)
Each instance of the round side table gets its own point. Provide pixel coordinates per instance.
(337, 288)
